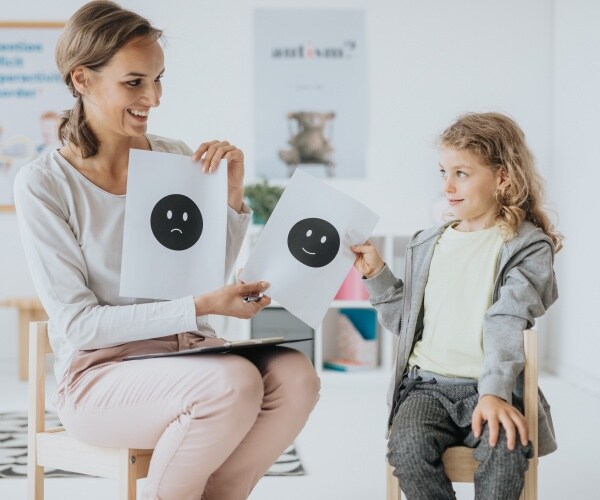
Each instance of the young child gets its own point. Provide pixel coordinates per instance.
(471, 287)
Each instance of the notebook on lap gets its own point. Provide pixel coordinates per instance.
(227, 346)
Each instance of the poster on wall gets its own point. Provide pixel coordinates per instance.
(32, 96)
(310, 92)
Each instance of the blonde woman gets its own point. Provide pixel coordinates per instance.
(216, 423)
(472, 287)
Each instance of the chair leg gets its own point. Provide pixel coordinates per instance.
(128, 483)
(530, 488)
(35, 482)
(393, 489)
(35, 414)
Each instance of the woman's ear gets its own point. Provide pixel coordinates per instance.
(80, 79)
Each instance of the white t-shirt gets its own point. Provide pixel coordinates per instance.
(72, 233)
(457, 295)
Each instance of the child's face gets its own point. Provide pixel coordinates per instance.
(469, 187)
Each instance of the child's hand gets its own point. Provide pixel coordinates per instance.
(367, 261)
(496, 411)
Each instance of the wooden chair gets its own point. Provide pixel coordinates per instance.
(55, 448)
(459, 463)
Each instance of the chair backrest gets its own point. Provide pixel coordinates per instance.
(530, 404)
(39, 346)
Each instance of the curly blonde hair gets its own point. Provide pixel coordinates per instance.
(500, 144)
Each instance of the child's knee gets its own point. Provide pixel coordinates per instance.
(408, 447)
(515, 459)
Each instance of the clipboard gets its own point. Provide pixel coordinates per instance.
(228, 346)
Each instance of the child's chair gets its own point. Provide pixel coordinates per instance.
(459, 463)
(55, 448)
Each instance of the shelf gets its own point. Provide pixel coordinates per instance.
(392, 247)
(378, 372)
(336, 304)
(350, 304)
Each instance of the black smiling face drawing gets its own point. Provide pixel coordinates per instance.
(176, 222)
(314, 242)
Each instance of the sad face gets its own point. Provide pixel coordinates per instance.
(314, 242)
(176, 222)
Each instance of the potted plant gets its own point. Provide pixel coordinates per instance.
(262, 198)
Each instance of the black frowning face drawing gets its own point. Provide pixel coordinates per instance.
(314, 242)
(176, 222)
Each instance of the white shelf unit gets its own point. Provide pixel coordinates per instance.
(392, 247)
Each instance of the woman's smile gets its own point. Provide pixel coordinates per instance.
(139, 115)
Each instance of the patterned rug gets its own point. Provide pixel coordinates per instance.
(13, 450)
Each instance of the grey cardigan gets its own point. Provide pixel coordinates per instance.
(525, 287)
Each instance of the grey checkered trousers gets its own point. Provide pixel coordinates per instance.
(433, 414)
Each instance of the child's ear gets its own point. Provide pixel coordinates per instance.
(502, 179)
(80, 79)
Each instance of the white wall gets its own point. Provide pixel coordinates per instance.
(428, 62)
(575, 344)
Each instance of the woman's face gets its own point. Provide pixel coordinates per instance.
(118, 96)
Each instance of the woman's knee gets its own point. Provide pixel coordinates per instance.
(236, 387)
(243, 381)
(294, 375)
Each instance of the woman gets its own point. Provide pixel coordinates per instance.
(216, 423)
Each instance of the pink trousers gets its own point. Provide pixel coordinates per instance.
(216, 422)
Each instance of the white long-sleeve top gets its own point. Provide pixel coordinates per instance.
(72, 233)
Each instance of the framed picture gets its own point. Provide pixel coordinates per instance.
(310, 92)
(32, 96)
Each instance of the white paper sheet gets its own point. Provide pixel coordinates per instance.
(175, 227)
(304, 249)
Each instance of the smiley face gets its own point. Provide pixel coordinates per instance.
(314, 242)
(176, 222)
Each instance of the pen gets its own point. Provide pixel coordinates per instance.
(253, 298)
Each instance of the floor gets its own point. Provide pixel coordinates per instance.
(343, 446)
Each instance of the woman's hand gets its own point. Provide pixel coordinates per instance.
(214, 152)
(229, 300)
(368, 261)
(496, 411)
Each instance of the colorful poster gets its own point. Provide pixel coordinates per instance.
(32, 95)
(310, 92)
